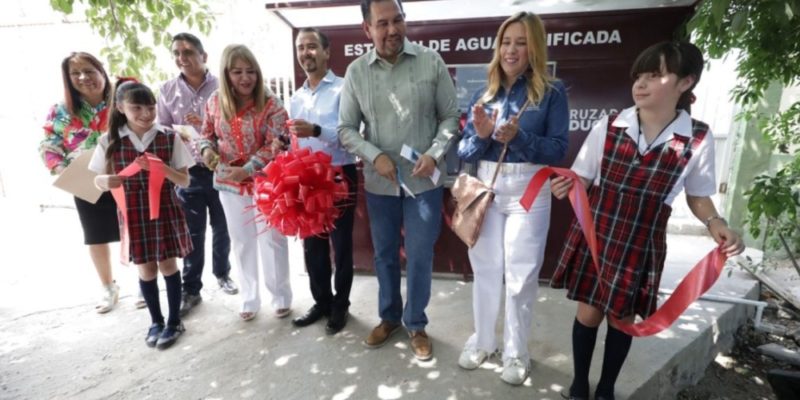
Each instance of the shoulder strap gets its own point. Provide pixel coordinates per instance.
(505, 146)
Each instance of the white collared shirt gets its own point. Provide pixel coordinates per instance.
(321, 106)
(698, 176)
(181, 157)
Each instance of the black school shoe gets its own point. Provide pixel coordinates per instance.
(337, 321)
(169, 336)
(153, 333)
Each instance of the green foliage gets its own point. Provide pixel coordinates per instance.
(783, 129)
(775, 200)
(767, 35)
(766, 31)
(124, 23)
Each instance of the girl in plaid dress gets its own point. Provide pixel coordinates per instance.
(634, 164)
(153, 244)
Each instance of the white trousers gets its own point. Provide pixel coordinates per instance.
(511, 246)
(257, 246)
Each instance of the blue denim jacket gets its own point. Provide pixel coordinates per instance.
(543, 127)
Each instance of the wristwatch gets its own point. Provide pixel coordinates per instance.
(317, 130)
(708, 220)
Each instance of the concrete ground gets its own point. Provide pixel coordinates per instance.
(54, 346)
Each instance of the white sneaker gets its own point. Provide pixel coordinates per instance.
(109, 300)
(472, 358)
(514, 371)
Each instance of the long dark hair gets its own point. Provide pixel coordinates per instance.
(72, 97)
(126, 90)
(680, 58)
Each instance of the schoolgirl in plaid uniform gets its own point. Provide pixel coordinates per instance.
(634, 164)
(154, 245)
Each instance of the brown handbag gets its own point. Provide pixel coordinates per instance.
(473, 198)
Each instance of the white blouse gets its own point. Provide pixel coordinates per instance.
(698, 176)
(181, 157)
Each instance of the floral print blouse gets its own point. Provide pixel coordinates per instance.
(244, 141)
(66, 135)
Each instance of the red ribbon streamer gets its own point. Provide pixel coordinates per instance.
(701, 277)
(155, 181)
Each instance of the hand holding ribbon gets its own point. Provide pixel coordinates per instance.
(694, 284)
(155, 167)
(297, 192)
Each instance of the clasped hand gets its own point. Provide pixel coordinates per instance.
(485, 125)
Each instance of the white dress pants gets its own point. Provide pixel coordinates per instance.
(257, 246)
(511, 246)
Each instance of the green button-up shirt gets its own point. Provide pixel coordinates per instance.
(412, 101)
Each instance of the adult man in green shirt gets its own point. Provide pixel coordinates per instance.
(403, 95)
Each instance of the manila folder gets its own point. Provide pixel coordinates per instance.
(78, 179)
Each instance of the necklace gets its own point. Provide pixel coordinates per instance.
(637, 160)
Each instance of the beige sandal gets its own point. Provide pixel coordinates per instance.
(247, 316)
(110, 298)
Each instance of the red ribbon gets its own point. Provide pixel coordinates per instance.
(298, 191)
(701, 277)
(155, 181)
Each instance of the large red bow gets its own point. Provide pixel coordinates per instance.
(298, 192)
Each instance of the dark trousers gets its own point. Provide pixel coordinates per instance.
(199, 200)
(317, 253)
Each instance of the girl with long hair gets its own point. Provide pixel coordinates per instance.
(153, 244)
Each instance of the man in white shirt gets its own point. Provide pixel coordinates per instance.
(315, 113)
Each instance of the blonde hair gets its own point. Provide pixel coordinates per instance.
(227, 95)
(539, 79)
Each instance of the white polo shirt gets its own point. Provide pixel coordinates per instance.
(697, 177)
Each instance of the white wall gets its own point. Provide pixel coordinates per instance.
(34, 39)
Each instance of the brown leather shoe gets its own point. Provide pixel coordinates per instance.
(381, 334)
(421, 345)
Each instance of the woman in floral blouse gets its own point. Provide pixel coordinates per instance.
(73, 127)
(241, 121)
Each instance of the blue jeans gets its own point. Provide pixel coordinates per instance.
(421, 219)
(200, 200)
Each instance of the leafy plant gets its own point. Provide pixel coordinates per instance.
(767, 35)
(124, 23)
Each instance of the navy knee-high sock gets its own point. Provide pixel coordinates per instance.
(174, 298)
(617, 345)
(583, 341)
(150, 294)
